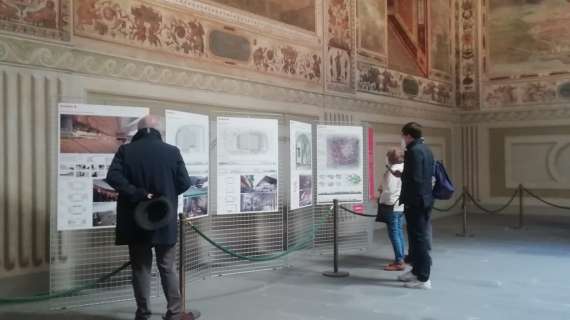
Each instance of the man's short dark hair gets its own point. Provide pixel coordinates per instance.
(412, 129)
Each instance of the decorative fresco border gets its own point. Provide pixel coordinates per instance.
(65, 59)
(256, 22)
(151, 27)
(340, 44)
(466, 56)
(379, 80)
(523, 93)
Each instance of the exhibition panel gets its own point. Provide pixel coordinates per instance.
(247, 165)
(340, 164)
(301, 164)
(341, 172)
(190, 133)
(82, 237)
(250, 211)
(89, 136)
(300, 227)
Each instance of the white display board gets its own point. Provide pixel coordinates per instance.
(301, 159)
(247, 165)
(340, 164)
(190, 133)
(89, 136)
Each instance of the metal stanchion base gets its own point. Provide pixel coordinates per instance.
(339, 274)
(191, 315)
(465, 235)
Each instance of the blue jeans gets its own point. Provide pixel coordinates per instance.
(396, 233)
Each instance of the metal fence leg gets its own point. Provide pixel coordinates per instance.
(191, 314)
(465, 232)
(335, 273)
(521, 206)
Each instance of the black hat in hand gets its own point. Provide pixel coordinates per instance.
(154, 213)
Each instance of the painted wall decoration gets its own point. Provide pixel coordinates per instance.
(340, 47)
(527, 38)
(40, 18)
(372, 29)
(408, 42)
(440, 46)
(541, 92)
(298, 13)
(379, 80)
(168, 30)
(467, 68)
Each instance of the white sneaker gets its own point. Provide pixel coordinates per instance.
(407, 277)
(417, 284)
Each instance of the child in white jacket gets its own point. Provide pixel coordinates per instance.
(389, 197)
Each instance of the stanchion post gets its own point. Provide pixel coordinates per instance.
(465, 233)
(521, 206)
(335, 273)
(181, 264)
(192, 314)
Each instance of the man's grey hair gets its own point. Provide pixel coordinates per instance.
(151, 121)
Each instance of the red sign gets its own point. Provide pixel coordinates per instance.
(358, 208)
(371, 167)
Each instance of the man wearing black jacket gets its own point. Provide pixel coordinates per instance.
(146, 168)
(417, 197)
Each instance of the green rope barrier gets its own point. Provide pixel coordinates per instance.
(300, 246)
(64, 293)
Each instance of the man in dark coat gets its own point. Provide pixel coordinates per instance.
(146, 168)
(417, 197)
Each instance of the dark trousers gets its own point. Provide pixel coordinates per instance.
(419, 236)
(141, 265)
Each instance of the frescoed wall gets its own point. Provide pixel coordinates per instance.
(313, 44)
(407, 31)
(339, 65)
(440, 36)
(42, 18)
(412, 46)
(528, 37)
(526, 53)
(165, 29)
(372, 29)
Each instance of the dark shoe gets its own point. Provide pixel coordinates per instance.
(191, 315)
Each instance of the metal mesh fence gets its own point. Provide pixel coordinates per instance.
(80, 257)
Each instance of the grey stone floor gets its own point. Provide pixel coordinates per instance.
(501, 273)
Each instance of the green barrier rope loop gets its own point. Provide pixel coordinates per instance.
(300, 246)
(64, 293)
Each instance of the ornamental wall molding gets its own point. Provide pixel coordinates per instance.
(517, 114)
(30, 53)
(255, 22)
